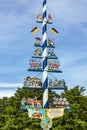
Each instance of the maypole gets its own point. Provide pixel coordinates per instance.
(44, 60)
(44, 54)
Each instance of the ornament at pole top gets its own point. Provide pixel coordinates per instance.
(40, 19)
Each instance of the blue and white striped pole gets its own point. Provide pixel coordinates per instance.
(45, 67)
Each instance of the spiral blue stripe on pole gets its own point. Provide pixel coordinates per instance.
(44, 28)
(44, 14)
(45, 67)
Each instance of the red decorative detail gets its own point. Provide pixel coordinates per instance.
(33, 64)
(49, 16)
(38, 38)
(55, 65)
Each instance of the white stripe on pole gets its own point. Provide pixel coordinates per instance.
(45, 67)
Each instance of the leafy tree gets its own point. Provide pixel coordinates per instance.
(12, 118)
(76, 118)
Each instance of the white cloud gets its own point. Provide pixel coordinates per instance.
(8, 89)
(15, 85)
(7, 93)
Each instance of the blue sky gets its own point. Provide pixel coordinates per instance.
(18, 17)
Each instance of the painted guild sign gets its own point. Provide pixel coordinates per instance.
(37, 52)
(44, 113)
(32, 82)
(38, 41)
(51, 53)
(30, 103)
(59, 103)
(35, 110)
(36, 113)
(53, 65)
(35, 64)
(55, 83)
(55, 113)
(50, 42)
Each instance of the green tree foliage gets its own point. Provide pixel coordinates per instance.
(76, 118)
(12, 118)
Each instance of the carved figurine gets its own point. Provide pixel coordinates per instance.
(51, 52)
(38, 41)
(53, 65)
(35, 64)
(49, 18)
(37, 52)
(39, 18)
(32, 82)
(50, 42)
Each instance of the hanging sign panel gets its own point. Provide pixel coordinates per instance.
(51, 54)
(46, 115)
(36, 113)
(31, 104)
(37, 52)
(55, 83)
(35, 64)
(42, 113)
(55, 113)
(32, 82)
(59, 103)
(53, 65)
